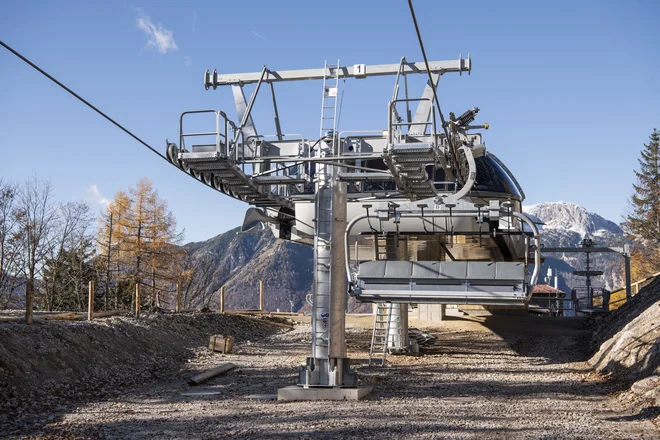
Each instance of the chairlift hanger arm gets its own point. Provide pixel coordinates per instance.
(214, 80)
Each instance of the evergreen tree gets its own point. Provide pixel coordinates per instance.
(643, 221)
(69, 274)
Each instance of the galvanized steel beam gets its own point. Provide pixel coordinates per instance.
(358, 71)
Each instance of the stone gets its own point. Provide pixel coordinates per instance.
(295, 393)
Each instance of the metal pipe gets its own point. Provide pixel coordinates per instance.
(523, 217)
(405, 86)
(248, 110)
(203, 133)
(347, 245)
(277, 116)
(397, 124)
(315, 159)
(337, 346)
(428, 71)
(181, 122)
(537, 251)
(395, 94)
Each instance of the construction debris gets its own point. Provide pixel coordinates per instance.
(217, 371)
(423, 339)
(223, 344)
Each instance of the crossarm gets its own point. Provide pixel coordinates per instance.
(358, 71)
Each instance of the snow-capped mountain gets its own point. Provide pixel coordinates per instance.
(572, 217)
(566, 224)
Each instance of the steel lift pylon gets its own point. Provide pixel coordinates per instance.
(412, 181)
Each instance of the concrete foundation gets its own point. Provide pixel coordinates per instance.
(293, 393)
(431, 312)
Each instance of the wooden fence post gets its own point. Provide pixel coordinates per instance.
(261, 295)
(222, 299)
(90, 305)
(137, 300)
(177, 306)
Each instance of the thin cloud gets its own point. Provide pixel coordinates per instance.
(158, 37)
(260, 36)
(93, 195)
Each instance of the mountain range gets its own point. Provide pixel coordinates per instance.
(240, 261)
(565, 224)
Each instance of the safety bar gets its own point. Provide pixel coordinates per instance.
(537, 248)
(521, 216)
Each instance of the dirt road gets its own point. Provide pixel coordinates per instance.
(498, 377)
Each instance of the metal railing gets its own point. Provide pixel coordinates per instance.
(222, 125)
(554, 305)
(590, 298)
(396, 126)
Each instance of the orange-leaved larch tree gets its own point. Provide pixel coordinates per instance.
(139, 241)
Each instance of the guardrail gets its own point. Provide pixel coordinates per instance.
(618, 296)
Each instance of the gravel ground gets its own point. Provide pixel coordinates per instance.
(50, 366)
(498, 377)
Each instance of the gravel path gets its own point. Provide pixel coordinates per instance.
(502, 377)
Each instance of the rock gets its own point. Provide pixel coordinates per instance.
(648, 387)
(646, 384)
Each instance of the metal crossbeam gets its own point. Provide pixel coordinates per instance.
(358, 71)
(583, 249)
(623, 251)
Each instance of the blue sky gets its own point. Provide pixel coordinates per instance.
(571, 89)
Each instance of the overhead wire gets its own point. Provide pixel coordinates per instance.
(115, 123)
(428, 71)
(81, 99)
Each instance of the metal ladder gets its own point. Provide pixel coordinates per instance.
(380, 335)
(323, 267)
(329, 101)
(407, 162)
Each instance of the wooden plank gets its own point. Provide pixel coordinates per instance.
(221, 369)
(177, 305)
(137, 300)
(222, 299)
(261, 295)
(90, 302)
(109, 313)
(64, 317)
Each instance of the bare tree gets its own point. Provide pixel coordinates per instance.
(71, 234)
(9, 282)
(36, 217)
(104, 242)
(193, 280)
(69, 263)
